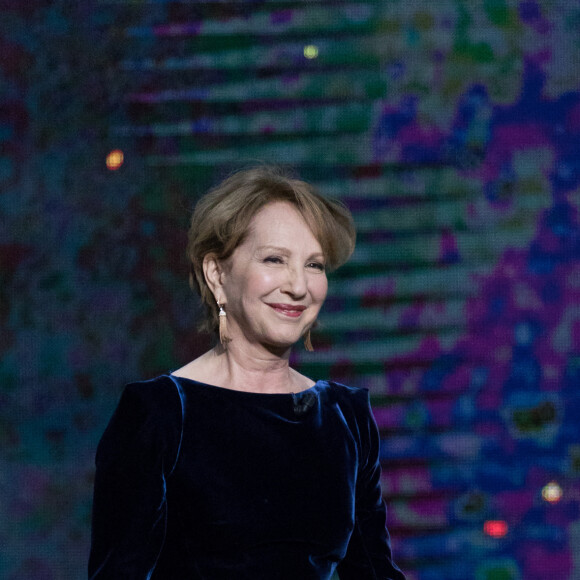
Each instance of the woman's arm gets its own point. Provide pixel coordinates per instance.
(135, 456)
(368, 556)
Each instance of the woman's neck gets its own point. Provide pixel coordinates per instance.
(246, 369)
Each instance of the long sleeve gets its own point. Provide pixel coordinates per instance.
(135, 456)
(369, 555)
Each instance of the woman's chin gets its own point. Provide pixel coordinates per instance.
(280, 344)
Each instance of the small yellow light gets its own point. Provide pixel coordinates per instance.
(115, 159)
(311, 51)
(552, 492)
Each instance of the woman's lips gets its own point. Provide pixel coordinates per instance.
(290, 310)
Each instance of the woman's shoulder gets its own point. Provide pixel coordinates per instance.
(355, 397)
(348, 390)
(158, 387)
(157, 396)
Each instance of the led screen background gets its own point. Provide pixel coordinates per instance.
(450, 129)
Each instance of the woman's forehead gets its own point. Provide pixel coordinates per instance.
(280, 224)
(279, 219)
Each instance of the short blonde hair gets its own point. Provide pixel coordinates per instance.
(221, 219)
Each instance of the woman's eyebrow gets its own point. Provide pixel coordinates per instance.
(274, 248)
(285, 250)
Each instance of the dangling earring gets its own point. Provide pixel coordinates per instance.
(223, 326)
(308, 342)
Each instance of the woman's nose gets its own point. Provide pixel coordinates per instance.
(296, 282)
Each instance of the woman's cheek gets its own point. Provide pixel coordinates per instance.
(271, 279)
(321, 286)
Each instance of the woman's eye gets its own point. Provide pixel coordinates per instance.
(316, 266)
(274, 260)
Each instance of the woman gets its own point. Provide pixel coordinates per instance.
(236, 466)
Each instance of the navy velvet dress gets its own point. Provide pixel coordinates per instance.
(195, 481)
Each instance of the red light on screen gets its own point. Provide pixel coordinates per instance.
(495, 528)
(115, 159)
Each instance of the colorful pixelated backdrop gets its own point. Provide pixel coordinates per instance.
(452, 131)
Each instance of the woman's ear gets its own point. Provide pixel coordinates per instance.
(212, 271)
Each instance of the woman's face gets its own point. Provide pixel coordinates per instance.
(275, 282)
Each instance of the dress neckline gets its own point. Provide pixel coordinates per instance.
(318, 384)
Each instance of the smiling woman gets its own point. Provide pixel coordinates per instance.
(236, 465)
(222, 219)
(273, 284)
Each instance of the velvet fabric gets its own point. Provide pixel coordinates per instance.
(195, 481)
